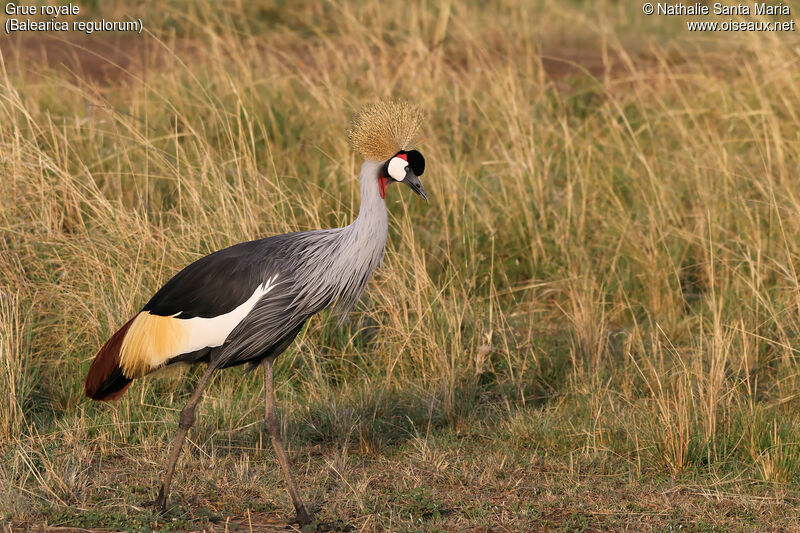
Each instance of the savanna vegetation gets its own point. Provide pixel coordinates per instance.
(593, 325)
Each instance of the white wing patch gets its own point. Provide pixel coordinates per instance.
(212, 332)
(151, 340)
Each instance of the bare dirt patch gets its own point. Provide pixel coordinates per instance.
(106, 60)
(561, 63)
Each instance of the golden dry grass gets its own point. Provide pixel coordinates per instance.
(591, 326)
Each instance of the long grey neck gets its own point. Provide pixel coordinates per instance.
(357, 249)
(361, 244)
(363, 241)
(372, 212)
(335, 265)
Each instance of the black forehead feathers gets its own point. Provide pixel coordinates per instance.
(416, 162)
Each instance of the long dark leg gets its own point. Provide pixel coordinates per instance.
(184, 423)
(273, 427)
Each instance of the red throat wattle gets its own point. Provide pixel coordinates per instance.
(382, 185)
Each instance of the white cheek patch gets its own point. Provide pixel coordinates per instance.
(397, 168)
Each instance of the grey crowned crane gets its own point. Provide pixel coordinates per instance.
(247, 303)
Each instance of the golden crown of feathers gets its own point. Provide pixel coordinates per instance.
(383, 128)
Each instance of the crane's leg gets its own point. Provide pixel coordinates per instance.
(184, 423)
(273, 427)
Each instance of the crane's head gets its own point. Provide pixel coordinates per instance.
(405, 167)
(384, 132)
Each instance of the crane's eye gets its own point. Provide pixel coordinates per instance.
(397, 167)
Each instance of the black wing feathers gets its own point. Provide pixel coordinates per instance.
(114, 383)
(217, 283)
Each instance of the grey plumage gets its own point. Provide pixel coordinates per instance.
(307, 272)
(312, 270)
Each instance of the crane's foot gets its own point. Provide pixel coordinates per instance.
(160, 503)
(303, 518)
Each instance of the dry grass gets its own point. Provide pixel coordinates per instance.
(591, 326)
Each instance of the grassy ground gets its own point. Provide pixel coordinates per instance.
(592, 326)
